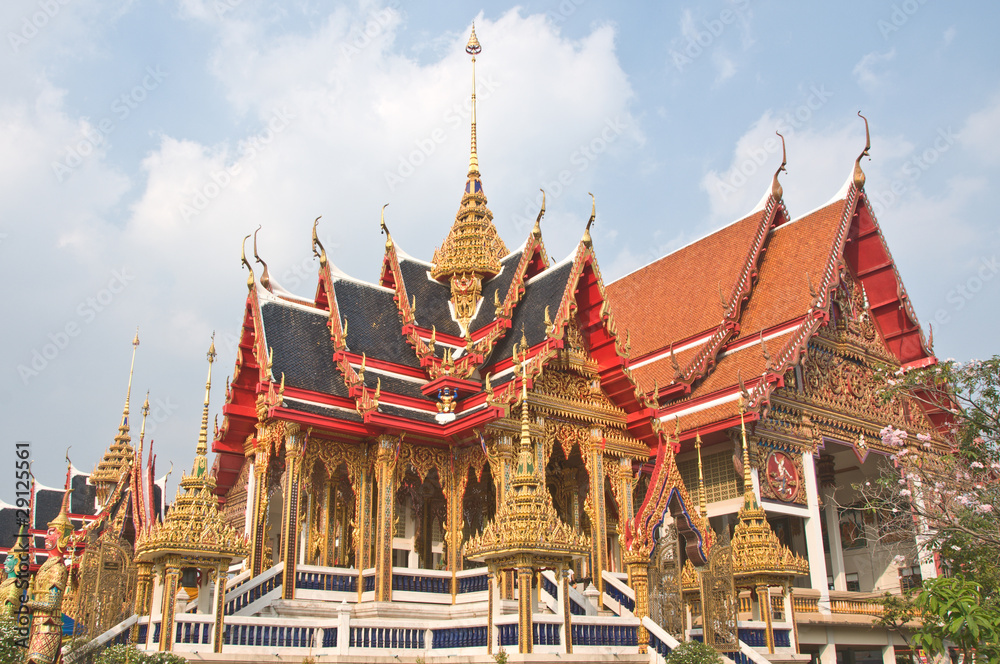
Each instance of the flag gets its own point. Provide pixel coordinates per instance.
(482, 442)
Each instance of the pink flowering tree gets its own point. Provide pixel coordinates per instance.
(946, 481)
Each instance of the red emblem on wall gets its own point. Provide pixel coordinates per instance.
(782, 476)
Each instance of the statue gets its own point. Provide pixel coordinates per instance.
(11, 590)
(50, 585)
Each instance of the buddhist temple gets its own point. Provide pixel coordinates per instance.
(495, 451)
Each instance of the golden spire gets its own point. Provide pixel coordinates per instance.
(859, 175)
(749, 497)
(472, 250)
(473, 48)
(385, 229)
(142, 429)
(201, 461)
(702, 500)
(321, 253)
(776, 190)
(123, 427)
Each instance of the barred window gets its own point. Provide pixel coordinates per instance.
(721, 481)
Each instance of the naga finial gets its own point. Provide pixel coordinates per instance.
(776, 191)
(321, 254)
(590, 222)
(859, 175)
(537, 230)
(385, 229)
(243, 259)
(265, 278)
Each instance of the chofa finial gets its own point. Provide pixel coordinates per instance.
(776, 191)
(385, 229)
(321, 253)
(859, 175)
(265, 278)
(590, 222)
(243, 259)
(537, 230)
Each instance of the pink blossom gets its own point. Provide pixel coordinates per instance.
(923, 436)
(985, 508)
(905, 493)
(976, 464)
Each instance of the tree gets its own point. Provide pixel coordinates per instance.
(951, 610)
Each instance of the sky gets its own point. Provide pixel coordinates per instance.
(141, 141)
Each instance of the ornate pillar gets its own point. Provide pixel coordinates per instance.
(525, 618)
(454, 496)
(563, 579)
(502, 463)
(385, 473)
(171, 584)
(637, 565)
(295, 443)
(257, 499)
(143, 594)
(219, 610)
(491, 581)
(362, 479)
(571, 498)
(596, 510)
(764, 599)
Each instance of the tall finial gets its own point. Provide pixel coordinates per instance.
(590, 222)
(243, 259)
(385, 229)
(123, 427)
(748, 494)
(537, 230)
(202, 450)
(142, 430)
(265, 278)
(859, 175)
(702, 500)
(473, 48)
(321, 253)
(776, 190)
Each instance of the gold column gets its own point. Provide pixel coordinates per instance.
(637, 565)
(491, 585)
(329, 508)
(143, 595)
(790, 599)
(503, 471)
(171, 584)
(454, 497)
(525, 619)
(764, 599)
(364, 521)
(295, 443)
(220, 608)
(597, 511)
(571, 497)
(385, 472)
(567, 614)
(258, 505)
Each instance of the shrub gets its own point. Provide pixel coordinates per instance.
(693, 652)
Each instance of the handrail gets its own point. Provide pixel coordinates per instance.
(101, 639)
(661, 642)
(245, 594)
(619, 593)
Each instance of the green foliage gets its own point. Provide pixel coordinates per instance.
(122, 654)
(897, 612)
(952, 610)
(500, 656)
(10, 649)
(693, 652)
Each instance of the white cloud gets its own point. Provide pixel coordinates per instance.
(981, 132)
(871, 71)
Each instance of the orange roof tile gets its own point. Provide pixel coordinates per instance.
(677, 296)
(782, 290)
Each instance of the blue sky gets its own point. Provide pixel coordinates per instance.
(139, 142)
